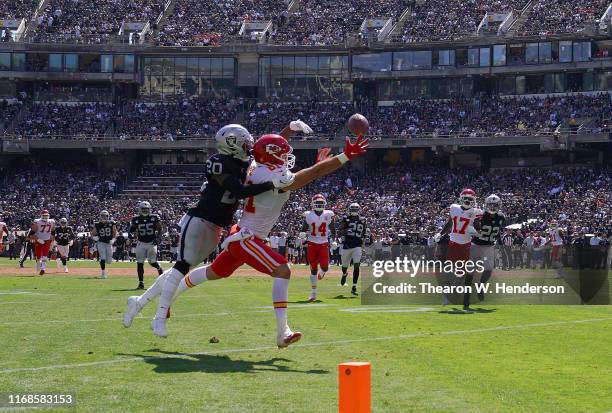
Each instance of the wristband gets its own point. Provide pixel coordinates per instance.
(342, 158)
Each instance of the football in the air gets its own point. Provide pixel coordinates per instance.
(358, 124)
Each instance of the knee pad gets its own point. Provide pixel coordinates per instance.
(182, 267)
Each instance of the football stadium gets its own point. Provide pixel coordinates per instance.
(306, 206)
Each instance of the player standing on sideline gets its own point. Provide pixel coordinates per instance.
(483, 244)
(104, 233)
(174, 242)
(26, 248)
(555, 237)
(64, 237)
(202, 225)
(3, 231)
(318, 226)
(352, 231)
(148, 230)
(245, 244)
(42, 235)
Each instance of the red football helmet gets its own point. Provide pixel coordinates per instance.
(44, 214)
(468, 198)
(273, 150)
(318, 203)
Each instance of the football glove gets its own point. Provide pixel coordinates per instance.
(300, 126)
(283, 180)
(352, 150)
(95, 238)
(437, 237)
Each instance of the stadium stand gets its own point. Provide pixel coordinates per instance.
(563, 16)
(17, 9)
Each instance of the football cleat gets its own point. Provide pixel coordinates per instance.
(140, 286)
(133, 308)
(158, 325)
(320, 274)
(481, 295)
(312, 298)
(66, 269)
(343, 280)
(42, 272)
(288, 338)
(354, 291)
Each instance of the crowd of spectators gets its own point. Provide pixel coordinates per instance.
(329, 22)
(208, 22)
(190, 118)
(493, 115)
(8, 111)
(400, 199)
(563, 16)
(93, 21)
(450, 19)
(51, 120)
(200, 118)
(10, 10)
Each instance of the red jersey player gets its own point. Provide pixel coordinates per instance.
(42, 236)
(3, 231)
(318, 226)
(246, 243)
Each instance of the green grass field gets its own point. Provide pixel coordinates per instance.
(64, 334)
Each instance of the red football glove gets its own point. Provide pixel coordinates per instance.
(352, 150)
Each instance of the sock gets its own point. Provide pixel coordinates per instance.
(153, 291)
(157, 267)
(173, 277)
(280, 296)
(313, 284)
(355, 275)
(140, 271)
(37, 265)
(63, 261)
(43, 263)
(195, 277)
(468, 282)
(102, 265)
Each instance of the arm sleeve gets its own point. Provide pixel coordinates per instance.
(240, 191)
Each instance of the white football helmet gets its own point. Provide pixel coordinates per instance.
(234, 140)
(144, 208)
(63, 222)
(492, 204)
(354, 209)
(318, 203)
(104, 216)
(468, 198)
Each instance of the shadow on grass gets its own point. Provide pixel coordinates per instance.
(174, 362)
(345, 297)
(305, 302)
(470, 311)
(127, 289)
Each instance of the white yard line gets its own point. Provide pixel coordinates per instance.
(316, 344)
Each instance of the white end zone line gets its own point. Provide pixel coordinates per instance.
(318, 344)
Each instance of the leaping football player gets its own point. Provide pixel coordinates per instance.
(246, 245)
(148, 230)
(352, 231)
(104, 233)
(318, 227)
(42, 236)
(202, 225)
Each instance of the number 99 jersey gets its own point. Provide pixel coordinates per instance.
(318, 226)
(145, 227)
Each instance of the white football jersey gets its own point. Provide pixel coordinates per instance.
(44, 228)
(555, 237)
(461, 220)
(262, 211)
(318, 226)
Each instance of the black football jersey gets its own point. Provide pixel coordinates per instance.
(104, 230)
(491, 226)
(63, 235)
(174, 240)
(216, 204)
(145, 227)
(354, 230)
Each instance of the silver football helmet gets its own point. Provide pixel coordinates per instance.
(234, 140)
(144, 208)
(492, 204)
(354, 209)
(104, 216)
(63, 222)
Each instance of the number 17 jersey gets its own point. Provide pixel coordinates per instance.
(461, 220)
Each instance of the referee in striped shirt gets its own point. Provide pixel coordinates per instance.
(507, 241)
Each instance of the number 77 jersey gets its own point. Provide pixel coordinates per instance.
(318, 226)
